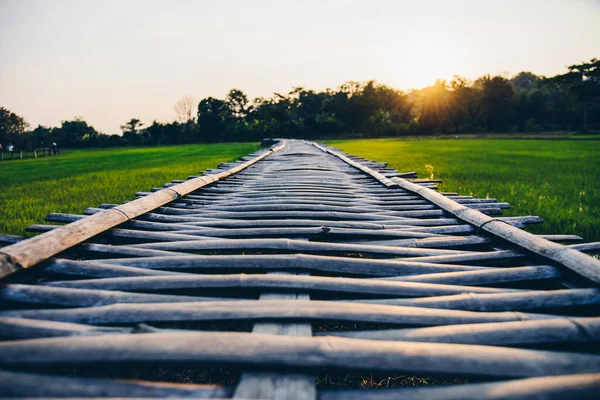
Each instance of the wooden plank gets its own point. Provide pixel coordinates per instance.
(263, 385)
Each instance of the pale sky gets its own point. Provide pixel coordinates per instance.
(110, 60)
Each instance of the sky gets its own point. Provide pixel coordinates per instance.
(110, 60)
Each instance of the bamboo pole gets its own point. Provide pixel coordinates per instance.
(73, 297)
(579, 262)
(579, 386)
(30, 252)
(547, 331)
(298, 353)
(276, 311)
(281, 262)
(277, 282)
(28, 385)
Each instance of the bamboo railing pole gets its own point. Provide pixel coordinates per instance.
(577, 261)
(30, 252)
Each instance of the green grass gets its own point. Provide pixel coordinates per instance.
(558, 180)
(555, 179)
(77, 179)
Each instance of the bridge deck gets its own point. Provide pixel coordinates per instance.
(293, 264)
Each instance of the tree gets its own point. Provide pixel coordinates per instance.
(497, 103)
(185, 109)
(212, 119)
(71, 133)
(170, 133)
(525, 81)
(131, 131)
(583, 82)
(12, 128)
(434, 108)
(41, 136)
(463, 105)
(237, 103)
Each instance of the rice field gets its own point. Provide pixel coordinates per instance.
(77, 179)
(558, 180)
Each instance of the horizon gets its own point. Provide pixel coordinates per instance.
(109, 61)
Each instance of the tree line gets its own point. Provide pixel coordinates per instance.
(524, 103)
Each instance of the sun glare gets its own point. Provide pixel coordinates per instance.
(432, 57)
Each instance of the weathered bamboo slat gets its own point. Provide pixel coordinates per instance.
(483, 277)
(279, 282)
(269, 310)
(560, 330)
(525, 300)
(73, 297)
(21, 328)
(27, 385)
(95, 269)
(280, 262)
(298, 352)
(292, 245)
(578, 386)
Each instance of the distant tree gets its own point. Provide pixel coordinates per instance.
(583, 82)
(71, 133)
(41, 137)
(237, 103)
(497, 104)
(185, 109)
(213, 116)
(463, 105)
(434, 110)
(12, 128)
(132, 131)
(169, 133)
(525, 81)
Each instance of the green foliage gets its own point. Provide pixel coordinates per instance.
(72, 133)
(554, 179)
(12, 129)
(132, 131)
(77, 179)
(583, 83)
(490, 104)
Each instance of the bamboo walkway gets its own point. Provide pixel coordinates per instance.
(292, 263)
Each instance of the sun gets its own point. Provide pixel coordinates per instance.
(430, 57)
